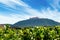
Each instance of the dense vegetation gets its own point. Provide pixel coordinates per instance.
(36, 33)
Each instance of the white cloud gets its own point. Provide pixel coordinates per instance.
(7, 3)
(7, 19)
(12, 3)
(55, 4)
(13, 18)
(47, 13)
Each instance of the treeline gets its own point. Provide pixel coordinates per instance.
(30, 33)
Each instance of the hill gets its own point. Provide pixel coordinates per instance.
(36, 22)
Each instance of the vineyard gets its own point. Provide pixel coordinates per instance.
(30, 33)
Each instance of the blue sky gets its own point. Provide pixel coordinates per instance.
(12, 11)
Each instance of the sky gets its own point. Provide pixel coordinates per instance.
(12, 11)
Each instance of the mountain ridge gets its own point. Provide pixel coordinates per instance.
(35, 21)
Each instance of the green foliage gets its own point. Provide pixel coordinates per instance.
(32, 33)
(7, 26)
